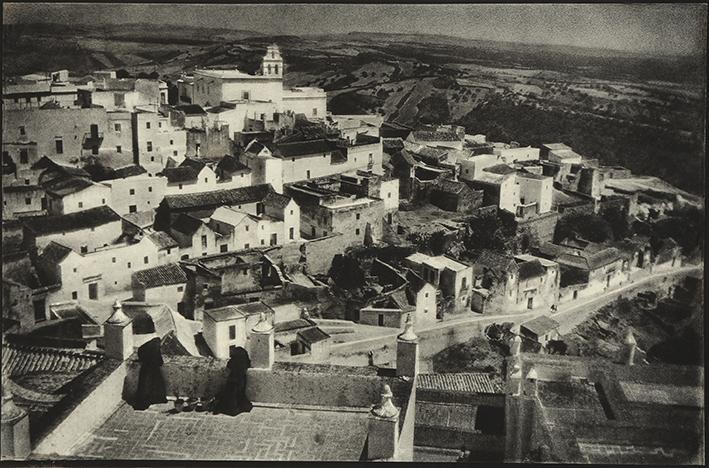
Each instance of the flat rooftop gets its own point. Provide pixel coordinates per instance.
(268, 432)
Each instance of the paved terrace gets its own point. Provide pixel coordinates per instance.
(268, 432)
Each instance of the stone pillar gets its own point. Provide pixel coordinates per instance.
(118, 334)
(383, 429)
(261, 346)
(629, 347)
(407, 351)
(14, 426)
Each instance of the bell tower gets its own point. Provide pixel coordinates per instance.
(272, 62)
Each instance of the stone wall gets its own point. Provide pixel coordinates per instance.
(538, 229)
(320, 252)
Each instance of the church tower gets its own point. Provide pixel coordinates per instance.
(272, 62)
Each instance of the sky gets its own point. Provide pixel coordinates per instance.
(646, 28)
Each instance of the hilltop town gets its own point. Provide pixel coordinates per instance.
(350, 255)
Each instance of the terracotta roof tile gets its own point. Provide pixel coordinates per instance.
(475, 382)
(161, 275)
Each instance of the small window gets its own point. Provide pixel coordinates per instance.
(357, 232)
(389, 195)
(113, 260)
(172, 142)
(22, 129)
(133, 209)
(84, 249)
(150, 146)
(147, 124)
(27, 181)
(28, 100)
(246, 246)
(146, 260)
(246, 228)
(263, 242)
(117, 127)
(174, 153)
(232, 332)
(74, 295)
(129, 265)
(315, 111)
(357, 216)
(180, 288)
(168, 251)
(179, 186)
(59, 145)
(23, 156)
(222, 248)
(185, 257)
(150, 189)
(307, 176)
(131, 192)
(28, 201)
(291, 212)
(205, 180)
(204, 242)
(159, 124)
(81, 204)
(152, 158)
(291, 233)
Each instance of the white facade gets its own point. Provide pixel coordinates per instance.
(91, 197)
(535, 189)
(136, 193)
(206, 181)
(157, 140)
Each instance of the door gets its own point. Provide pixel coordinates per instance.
(530, 303)
(93, 291)
(274, 239)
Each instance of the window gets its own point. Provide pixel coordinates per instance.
(275, 67)
(307, 175)
(23, 156)
(380, 320)
(291, 233)
(39, 310)
(150, 146)
(113, 260)
(129, 265)
(150, 189)
(103, 201)
(179, 186)
(94, 150)
(81, 204)
(180, 288)
(274, 239)
(28, 100)
(147, 124)
(291, 212)
(232, 332)
(389, 195)
(174, 153)
(204, 242)
(133, 209)
(185, 257)
(119, 149)
(172, 142)
(159, 124)
(246, 228)
(168, 251)
(74, 295)
(246, 246)
(315, 111)
(357, 232)
(28, 201)
(263, 242)
(131, 192)
(152, 158)
(357, 216)
(117, 127)
(27, 181)
(206, 180)
(223, 248)
(22, 129)
(245, 95)
(59, 145)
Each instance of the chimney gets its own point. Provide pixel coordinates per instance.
(532, 383)
(629, 347)
(14, 426)
(383, 429)
(118, 334)
(515, 380)
(262, 344)
(407, 351)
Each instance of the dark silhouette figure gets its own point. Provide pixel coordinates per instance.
(232, 399)
(151, 384)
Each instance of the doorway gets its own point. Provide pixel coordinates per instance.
(530, 303)
(93, 291)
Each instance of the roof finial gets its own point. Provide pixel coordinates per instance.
(263, 325)
(408, 334)
(385, 408)
(118, 315)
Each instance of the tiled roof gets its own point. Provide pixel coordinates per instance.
(54, 253)
(128, 171)
(541, 325)
(191, 109)
(494, 260)
(186, 224)
(531, 269)
(161, 275)
(303, 148)
(474, 382)
(163, 240)
(141, 219)
(230, 165)
(180, 174)
(364, 139)
(451, 186)
(253, 308)
(194, 163)
(66, 186)
(313, 335)
(216, 198)
(222, 314)
(439, 135)
(502, 169)
(276, 199)
(291, 325)
(71, 222)
(24, 359)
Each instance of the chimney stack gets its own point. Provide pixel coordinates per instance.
(118, 334)
(516, 346)
(14, 426)
(262, 344)
(407, 351)
(629, 347)
(383, 429)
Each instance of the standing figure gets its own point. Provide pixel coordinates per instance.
(151, 384)
(232, 399)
